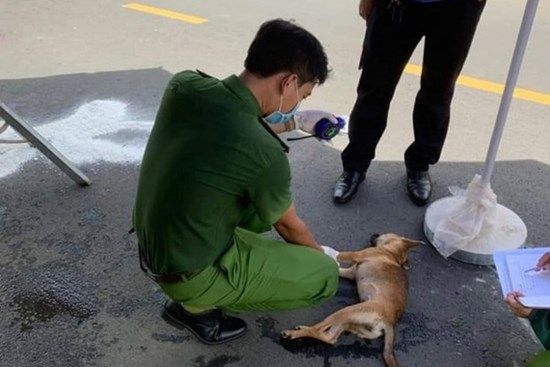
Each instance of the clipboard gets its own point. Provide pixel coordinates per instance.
(511, 268)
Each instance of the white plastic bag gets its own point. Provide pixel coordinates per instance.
(465, 222)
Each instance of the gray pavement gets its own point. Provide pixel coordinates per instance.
(71, 292)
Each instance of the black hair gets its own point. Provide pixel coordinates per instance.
(281, 45)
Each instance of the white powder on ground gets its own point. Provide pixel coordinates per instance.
(81, 138)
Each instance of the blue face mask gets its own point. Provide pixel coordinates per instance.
(280, 117)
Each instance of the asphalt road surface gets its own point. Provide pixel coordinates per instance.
(89, 76)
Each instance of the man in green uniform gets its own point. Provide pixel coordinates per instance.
(215, 175)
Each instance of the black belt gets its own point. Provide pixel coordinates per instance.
(163, 278)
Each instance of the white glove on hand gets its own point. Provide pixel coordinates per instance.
(306, 120)
(329, 251)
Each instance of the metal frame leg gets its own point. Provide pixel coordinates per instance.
(33, 137)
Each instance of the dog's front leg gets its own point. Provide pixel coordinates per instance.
(389, 337)
(353, 257)
(348, 273)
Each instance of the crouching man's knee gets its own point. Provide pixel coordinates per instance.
(327, 281)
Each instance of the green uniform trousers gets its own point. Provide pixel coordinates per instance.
(540, 360)
(258, 273)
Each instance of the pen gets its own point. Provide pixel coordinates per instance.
(532, 269)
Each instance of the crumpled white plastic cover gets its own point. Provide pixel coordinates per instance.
(465, 222)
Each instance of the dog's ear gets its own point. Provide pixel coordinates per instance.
(412, 243)
(373, 238)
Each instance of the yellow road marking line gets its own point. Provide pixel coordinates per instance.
(484, 85)
(487, 86)
(165, 13)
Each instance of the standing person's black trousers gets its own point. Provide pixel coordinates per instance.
(394, 30)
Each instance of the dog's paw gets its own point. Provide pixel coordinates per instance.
(286, 334)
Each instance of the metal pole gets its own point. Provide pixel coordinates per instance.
(519, 51)
(29, 133)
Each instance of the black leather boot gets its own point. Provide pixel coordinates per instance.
(210, 327)
(347, 185)
(419, 186)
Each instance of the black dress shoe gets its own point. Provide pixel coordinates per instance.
(419, 186)
(210, 327)
(347, 185)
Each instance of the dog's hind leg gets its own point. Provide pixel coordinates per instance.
(327, 330)
(389, 337)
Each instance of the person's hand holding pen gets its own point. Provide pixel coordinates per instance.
(544, 262)
(542, 265)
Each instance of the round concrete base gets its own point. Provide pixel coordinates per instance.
(508, 233)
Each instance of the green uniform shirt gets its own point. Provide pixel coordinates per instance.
(540, 322)
(211, 165)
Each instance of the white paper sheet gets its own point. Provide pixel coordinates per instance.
(511, 269)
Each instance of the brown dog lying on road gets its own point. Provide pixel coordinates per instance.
(382, 286)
